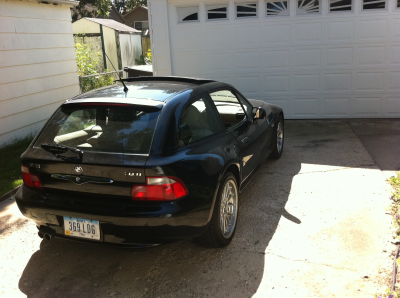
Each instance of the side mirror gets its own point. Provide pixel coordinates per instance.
(259, 113)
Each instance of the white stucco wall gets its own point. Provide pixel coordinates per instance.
(322, 65)
(37, 65)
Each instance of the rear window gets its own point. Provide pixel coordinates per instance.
(102, 128)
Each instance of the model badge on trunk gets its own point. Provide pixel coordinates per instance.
(78, 169)
(133, 174)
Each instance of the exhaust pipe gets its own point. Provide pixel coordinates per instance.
(46, 233)
(48, 236)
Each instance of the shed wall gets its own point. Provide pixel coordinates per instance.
(37, 65)
(130, 48)
(85, 26)
(110, 45)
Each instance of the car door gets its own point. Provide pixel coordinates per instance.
(238, 123)
(264, 126)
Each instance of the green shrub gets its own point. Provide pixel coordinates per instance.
(87, 65)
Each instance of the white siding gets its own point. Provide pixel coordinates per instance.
(37, 65)
(324, 65)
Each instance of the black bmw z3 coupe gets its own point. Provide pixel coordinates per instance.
(155, 160)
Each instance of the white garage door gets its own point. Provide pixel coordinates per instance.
(316, 59)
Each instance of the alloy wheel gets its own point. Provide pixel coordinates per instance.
(228, 208)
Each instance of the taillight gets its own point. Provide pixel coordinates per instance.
(30, 179)
(159, 189)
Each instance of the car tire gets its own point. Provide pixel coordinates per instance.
(278, 136)
(218, 234)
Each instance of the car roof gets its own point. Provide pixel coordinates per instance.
(149, 88)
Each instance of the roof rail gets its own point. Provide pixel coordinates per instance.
(170, 78)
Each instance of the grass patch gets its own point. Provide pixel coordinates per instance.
(395, 211)
(10, 165)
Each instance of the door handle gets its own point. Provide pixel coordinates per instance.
(245, 140)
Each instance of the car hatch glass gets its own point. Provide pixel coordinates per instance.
(102, 128)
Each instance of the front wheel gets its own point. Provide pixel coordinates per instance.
(278, 139)
(222, 226)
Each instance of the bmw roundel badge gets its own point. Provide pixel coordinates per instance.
(78, 169)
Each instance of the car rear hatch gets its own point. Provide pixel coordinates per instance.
(115, 138)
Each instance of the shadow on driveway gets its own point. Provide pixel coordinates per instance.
(69, 269)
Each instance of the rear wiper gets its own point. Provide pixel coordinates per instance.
(59, 149)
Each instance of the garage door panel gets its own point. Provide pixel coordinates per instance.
(365, 107)
(188, 39)
(369, 81)
(249, 85)
(245, 36)
(306, 83)
(308, 32)
(371, 55)
(395, 54)
(340, 31)
(335, 107)
(306, 108)
(276, 84)
(276, 34)
(276, 58)
(372, 29)
(189, 64)
(393, 81)
(219, 62)
(393, 107)
(338, 82)
(339, 57)
(247, 61)
(217, 38)
(307, 58)
(394, 29)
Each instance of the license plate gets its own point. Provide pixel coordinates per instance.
(84, 228)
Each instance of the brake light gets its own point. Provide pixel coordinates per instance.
(159, 189)
(30, 179)
(105, 104)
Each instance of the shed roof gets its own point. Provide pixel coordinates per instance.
(113, 25)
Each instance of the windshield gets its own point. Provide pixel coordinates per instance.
(102, 128)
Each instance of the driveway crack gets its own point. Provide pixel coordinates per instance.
(331, 170)
(301, 260)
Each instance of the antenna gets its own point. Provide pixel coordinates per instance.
(125, 88)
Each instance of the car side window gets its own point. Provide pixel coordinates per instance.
(229, 107)
(247, 106)
(197, 121)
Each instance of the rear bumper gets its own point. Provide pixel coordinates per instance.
(144, 225)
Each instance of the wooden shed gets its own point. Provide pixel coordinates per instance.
(37, 64)
(121, 43)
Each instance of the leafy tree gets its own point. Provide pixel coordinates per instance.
(91, 9)
(127, 5)
(133, 3)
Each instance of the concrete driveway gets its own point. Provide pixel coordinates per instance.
(312, 224)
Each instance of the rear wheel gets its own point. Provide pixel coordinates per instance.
(278, 139)
(222, 226)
